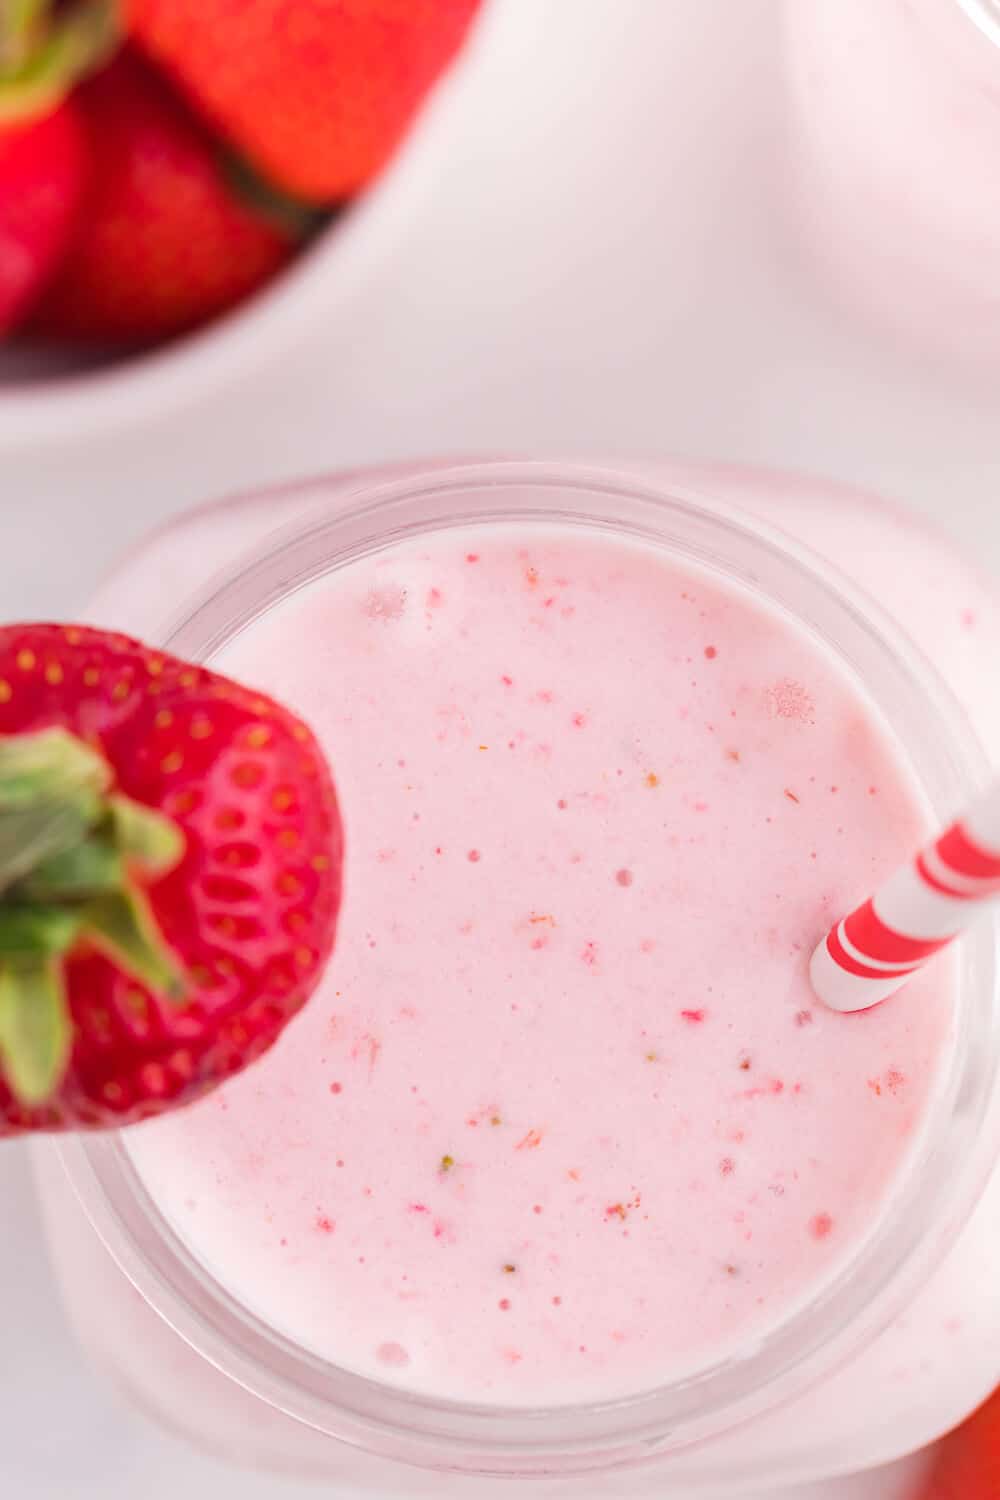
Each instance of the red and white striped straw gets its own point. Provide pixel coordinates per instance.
(930, 901)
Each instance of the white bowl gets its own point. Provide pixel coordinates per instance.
(49, 398)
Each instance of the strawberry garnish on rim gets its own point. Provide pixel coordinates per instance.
(967, 1464)
(170, 862)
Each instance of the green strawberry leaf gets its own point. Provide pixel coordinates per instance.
(48, 766)
(91, 868)
(35, 1031)
(145, 837)
(40, 63)
(74, 855)
(36, 931)
(52, 788)
(21, 23)
(30, 836)
(122, 926)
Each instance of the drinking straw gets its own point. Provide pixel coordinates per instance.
(941, 892)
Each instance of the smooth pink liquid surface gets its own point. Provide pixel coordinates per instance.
(564, 1121)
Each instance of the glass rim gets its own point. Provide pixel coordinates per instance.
(986, 15)
(941, 1185)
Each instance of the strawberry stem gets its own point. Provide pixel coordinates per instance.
(51, 789)
(46, 50)
(73, 858)
(35, 1031)
(20, 28)
(145, 837)
(93, 866)
(40, 930)
(51, 760)
(123, 926)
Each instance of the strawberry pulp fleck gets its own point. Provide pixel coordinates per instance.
(821, 1227)
(393, 1355)
(773, 1087)
(529, 1142)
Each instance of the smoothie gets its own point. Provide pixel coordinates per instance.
(565, 1122)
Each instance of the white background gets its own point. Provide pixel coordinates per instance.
(599, 258)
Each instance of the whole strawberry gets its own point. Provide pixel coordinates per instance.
(166, 240)
(170, 875)
(317, 93)
(42, 172)
(967, 1465)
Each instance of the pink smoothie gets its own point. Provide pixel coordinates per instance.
(564, 1121)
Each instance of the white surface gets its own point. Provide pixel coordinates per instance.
(598, 260)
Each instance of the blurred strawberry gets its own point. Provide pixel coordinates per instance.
(167, 240)
(42, 168)
(44, 49)
(317, 93)
(967, 1466)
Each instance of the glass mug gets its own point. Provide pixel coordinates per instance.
(847, 1382)
(895, 113)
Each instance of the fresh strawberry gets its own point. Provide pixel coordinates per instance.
(42, 166)
(317, 93)
(45, 49)
(967, 1466)
(166, 241)
(170, 862)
